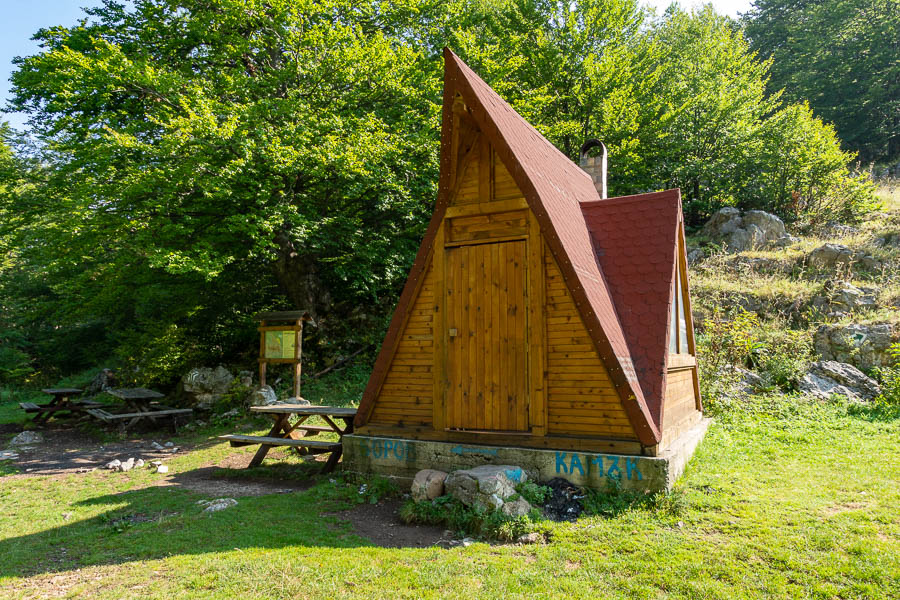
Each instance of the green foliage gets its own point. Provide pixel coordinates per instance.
(199, 161)
(782, 355)
(534, 493)
(890, 381)
(725, 342)
(841, 56)
(449, 512)
(615, 501)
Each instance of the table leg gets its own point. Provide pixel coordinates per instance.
(279, 429)
(333, 460)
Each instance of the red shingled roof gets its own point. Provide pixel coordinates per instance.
(635, 238)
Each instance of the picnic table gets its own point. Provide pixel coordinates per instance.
(62, 401)
(296, 435)
(139, 404)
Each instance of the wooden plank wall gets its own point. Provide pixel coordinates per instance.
(581, 398)
(680, 403)
(406, 395)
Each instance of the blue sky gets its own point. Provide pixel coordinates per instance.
(22, 18)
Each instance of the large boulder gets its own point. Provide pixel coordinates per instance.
(746, 231)
(828, 378)
(724, 222)
(771, 227)
(864, 346)
(844, 297)
(428, 484)
(26, 440)
(485, 487)
(204, 386)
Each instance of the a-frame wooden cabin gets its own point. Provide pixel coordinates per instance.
(536, 314)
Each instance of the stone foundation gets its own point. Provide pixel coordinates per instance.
(402, 458)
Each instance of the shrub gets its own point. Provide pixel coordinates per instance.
(726, 342)
(890, 380)
(782, 355)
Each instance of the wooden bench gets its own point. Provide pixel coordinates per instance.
(103, 415)
(62, 401)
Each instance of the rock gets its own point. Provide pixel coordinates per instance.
(246, 378)
(752, 229)
(156, 445)
(204, 386)
(695, 255)
(126, 466)
(516, 508)
(162, 469)
(486, 487)
(784, 242)
(835, 229)
(428, 484)
(263, 396)
(466, 542)
(750, 382)
(827, 378)
(231, 414)
(8, 455)
(869, 262)
(830, 256)
(842, 296)
(725, 221)
(113, 465)
(102, 381)
(863, 346)
(770, 226)
(531, 538)
(138, 463)
(169, 445)
(26, 439)
(296, 400)
(217, 504)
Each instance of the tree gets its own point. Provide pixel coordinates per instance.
(842, 57)
(199, 148)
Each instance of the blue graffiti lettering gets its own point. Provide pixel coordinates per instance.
(631, 466)
(561, 462)
(598, 461)
(575, 464)
(614, 472)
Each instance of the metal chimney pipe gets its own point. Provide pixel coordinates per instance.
(595, 166)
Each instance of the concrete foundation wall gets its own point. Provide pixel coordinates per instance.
(402, 459)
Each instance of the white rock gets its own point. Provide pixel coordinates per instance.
(829, 377)
(8, 455)
(26, 439)
(487, 486)
(263, 396)
(162, 469)
(168, 444)
(531, 538)
(127, 465)
(138, 463)
(156, 446)
(516, 508)
(218, 504)
(113, 465)
(428, 484)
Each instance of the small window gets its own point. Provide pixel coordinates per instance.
(678, 336)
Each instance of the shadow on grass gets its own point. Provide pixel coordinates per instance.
(162, 521)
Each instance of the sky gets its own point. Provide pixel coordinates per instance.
(22, 18)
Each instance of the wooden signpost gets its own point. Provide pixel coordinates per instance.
(280, 341)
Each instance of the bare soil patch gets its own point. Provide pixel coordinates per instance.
(380, 524)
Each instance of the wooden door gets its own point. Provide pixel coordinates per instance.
(486, 338)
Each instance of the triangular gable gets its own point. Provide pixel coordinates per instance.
(636, 241)
(554, 188)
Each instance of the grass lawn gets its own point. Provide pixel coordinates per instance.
(785, 498)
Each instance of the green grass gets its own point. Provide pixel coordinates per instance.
(785, 498)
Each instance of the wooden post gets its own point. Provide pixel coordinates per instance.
(262, 356)
(298, 340)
